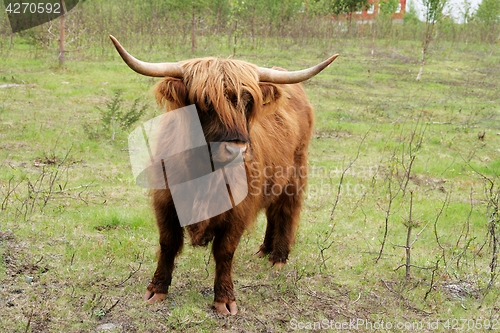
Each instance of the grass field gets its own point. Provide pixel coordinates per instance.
(391, 158)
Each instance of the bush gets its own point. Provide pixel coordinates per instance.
(114, 118)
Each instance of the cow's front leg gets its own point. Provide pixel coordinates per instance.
(171, 240)
(223, 247)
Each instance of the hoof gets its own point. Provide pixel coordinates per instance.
(278, 265)
(152, 297)
(260, 254)
(226, 309)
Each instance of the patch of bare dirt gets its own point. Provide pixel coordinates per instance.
(326, 134)
(426, 181)
(46, 161)
(461, 289)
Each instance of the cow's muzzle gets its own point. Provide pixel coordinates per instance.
(227, 151)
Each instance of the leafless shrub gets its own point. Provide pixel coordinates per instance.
(29, 194)
(492, 196)
(398, 174)
(410, 224)
(327, 242)
(6, 193)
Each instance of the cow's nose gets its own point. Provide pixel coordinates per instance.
(233, 149)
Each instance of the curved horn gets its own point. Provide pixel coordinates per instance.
(283, 77)
(162, 69)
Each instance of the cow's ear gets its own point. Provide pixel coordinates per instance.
(171, 92)
(271, 97)
(270, 93)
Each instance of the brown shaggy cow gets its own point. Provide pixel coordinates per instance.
(259, 113)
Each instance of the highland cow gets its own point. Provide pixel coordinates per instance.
(260, 114)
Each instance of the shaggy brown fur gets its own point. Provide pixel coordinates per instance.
(274, 122)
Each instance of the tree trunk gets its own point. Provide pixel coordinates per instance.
(252, 27)
(374, 33)
(429, 30)
(61, 34)
(421, 70)
(193, 29)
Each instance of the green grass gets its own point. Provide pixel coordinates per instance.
(91, 248)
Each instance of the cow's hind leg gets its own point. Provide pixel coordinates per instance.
(282, 221)
(171, 240)
(267, 245)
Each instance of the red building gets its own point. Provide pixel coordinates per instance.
(374, 9)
